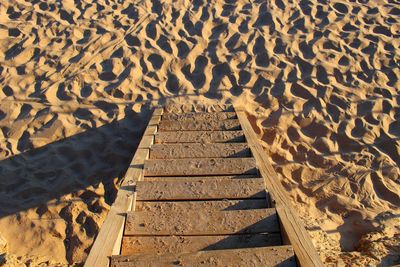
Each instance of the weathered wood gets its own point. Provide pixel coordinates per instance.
(199, 178)
(197, 150)
(199, 137)
(292, 227)
(135, 245)
(202, 223)
(110, 236)
(196, 125)
(208, 205)
(211, 166)
(179, 108)
(200, 116)
(265, 256)
(109, 239)
(201, 190)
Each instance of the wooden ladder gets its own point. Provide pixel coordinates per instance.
(204, 195)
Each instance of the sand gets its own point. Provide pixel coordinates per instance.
(319, 79)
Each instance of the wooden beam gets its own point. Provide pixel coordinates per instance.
(108, 240)
(200, 116)
(262, 256)
(292, 226)
(136, 245)
(201, 222)
(202, 166)
(197, 150)
(210, 205)
(200, 178)
(199, 137)
(200, 190)
(194, 125)
(179, 108)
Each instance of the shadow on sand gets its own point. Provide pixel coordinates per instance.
(33, 178)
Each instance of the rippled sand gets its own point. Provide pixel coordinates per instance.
(319, 79)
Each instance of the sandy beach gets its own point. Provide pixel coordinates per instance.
(319, 80)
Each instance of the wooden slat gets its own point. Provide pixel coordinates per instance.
(263, 256)
(199, 137)
(201, 223)
(199, 178)
(211, 166)
(186, 190)
(179, 108)
(292, 226)
(134, 245)
(220, 150)
(199, 125)
(200, 116)
(108, 241)
(208, 205)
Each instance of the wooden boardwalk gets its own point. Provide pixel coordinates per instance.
(199, 192)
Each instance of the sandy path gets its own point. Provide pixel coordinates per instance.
(319, 78)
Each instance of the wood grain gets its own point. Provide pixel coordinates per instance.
(199, 116)
(197, 150)
(207, 205)
(199, 125)
(264, 256)
(200, 190)
(209, 166)
(200, 178)
(159, 222)
(199, 137)
(134, 245)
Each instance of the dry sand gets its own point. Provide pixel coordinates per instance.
(320, 79)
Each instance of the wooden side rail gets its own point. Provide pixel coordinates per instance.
(108, 241)
(293, 230)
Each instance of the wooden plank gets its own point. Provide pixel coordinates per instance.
(292, 226)
(199, 125)
(159, 111)
(199, 178)
(197, 150)
(135, 245)
(109, 238)
(199, 137)
(200, 116)
(201, 190)
(205, 167)
(110, 235)
(202, 223)
(135, 169)
(179, 108)
(263, 256)
(208, 205)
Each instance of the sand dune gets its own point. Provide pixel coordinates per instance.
(319, 79)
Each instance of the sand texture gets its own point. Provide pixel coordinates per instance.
(319, 79)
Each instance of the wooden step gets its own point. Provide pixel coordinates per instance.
(179, 108)
(221, 150)
(199, 137)
(199, 178)
(199, 125)
(132, 245)
(208, 205)
(200, 116)
(191, 222)
(205, 167)
(263, 256)
(201, 190)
